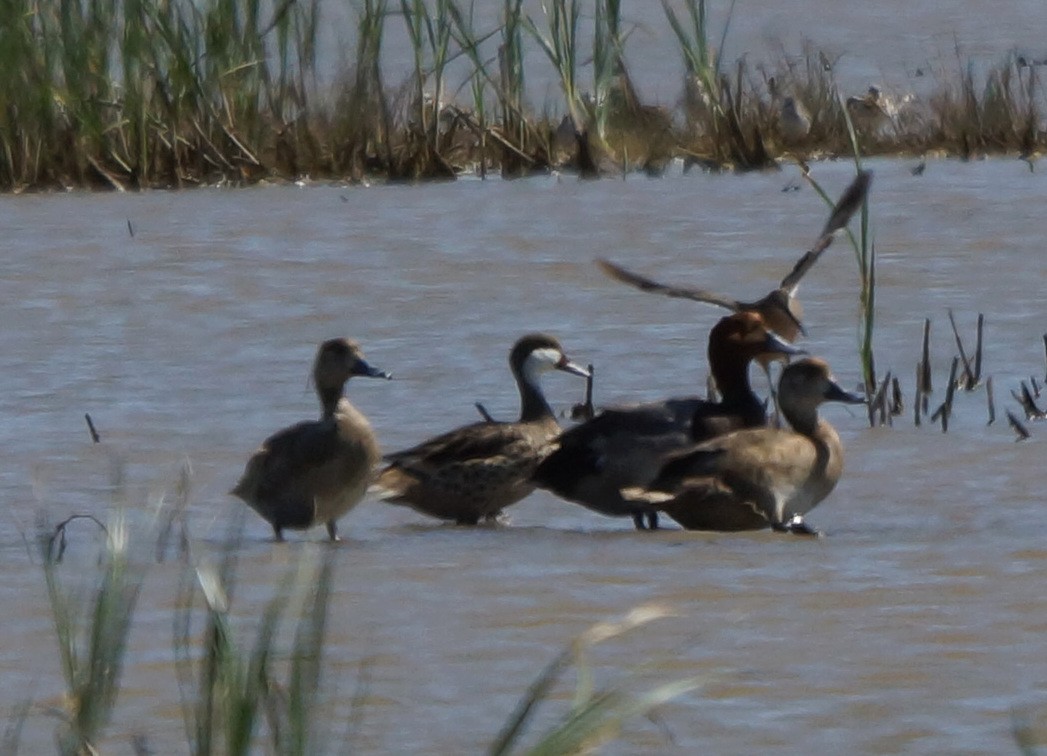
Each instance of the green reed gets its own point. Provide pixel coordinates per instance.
(865, 255)
(595, 716)
(233, 687)
(560, 45)
(92, 635)
(137, 94)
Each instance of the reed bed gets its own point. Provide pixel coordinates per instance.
(134, 94)
(250, 684)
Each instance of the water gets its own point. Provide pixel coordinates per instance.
(915, 626)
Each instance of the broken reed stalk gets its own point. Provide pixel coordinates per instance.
(945, 409)
(1028, 403)
(585, 410)
(918, 398)
(484, 413)
(1016, 424)
(877, 403)
(991, 400)
(897, 403)
(968, 375)
(925, 362)
(91, 427)
(978, 350)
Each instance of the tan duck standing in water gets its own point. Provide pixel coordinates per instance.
(625, 446)
(758, 478)
(316, 471)
(475, 471)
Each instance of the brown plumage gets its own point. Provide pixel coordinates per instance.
(624, 446)
(762, 477)
(316, 471)
(780, 309)
(477, 470)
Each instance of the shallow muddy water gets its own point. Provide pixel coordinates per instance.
(916, 625)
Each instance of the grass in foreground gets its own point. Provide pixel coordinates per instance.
(241, 690)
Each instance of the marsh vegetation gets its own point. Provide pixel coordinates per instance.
(134, 94)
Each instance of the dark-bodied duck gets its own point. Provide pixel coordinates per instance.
(625, 446)
(316, 471)
(780, 308)
(761, 477)
(475, 471)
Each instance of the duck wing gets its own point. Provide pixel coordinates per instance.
(845, 208)
(470, 442)
(282, 475)
(620, 444)
(619, 273)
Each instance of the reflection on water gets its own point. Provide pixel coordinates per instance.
(915, 626)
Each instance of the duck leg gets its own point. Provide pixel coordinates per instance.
(278, 533)
(797, 526)
(332, 530)
(645, 520)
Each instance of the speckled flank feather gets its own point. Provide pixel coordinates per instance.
(316, 471)
(475, 471)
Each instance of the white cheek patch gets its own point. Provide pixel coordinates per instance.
(540, 361)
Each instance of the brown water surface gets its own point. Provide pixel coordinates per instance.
(917, 625)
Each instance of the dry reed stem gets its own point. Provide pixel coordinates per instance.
(1016, 424)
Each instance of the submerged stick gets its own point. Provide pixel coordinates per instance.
(91, 427)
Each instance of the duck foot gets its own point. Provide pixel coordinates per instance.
(796, 526)
(645, 520)
(332, 532)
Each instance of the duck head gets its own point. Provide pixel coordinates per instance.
(538, 353)
(338, 360)
(808, 382)
(747, 335)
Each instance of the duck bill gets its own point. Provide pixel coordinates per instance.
(571, 367)
(775, 344)
(836, 394)
(370, 371)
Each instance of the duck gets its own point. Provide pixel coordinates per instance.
(780, 308)
(316, 471)
(759, 477)
(623, 446)
(794, 122)
(868, 112)
(475, 471)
